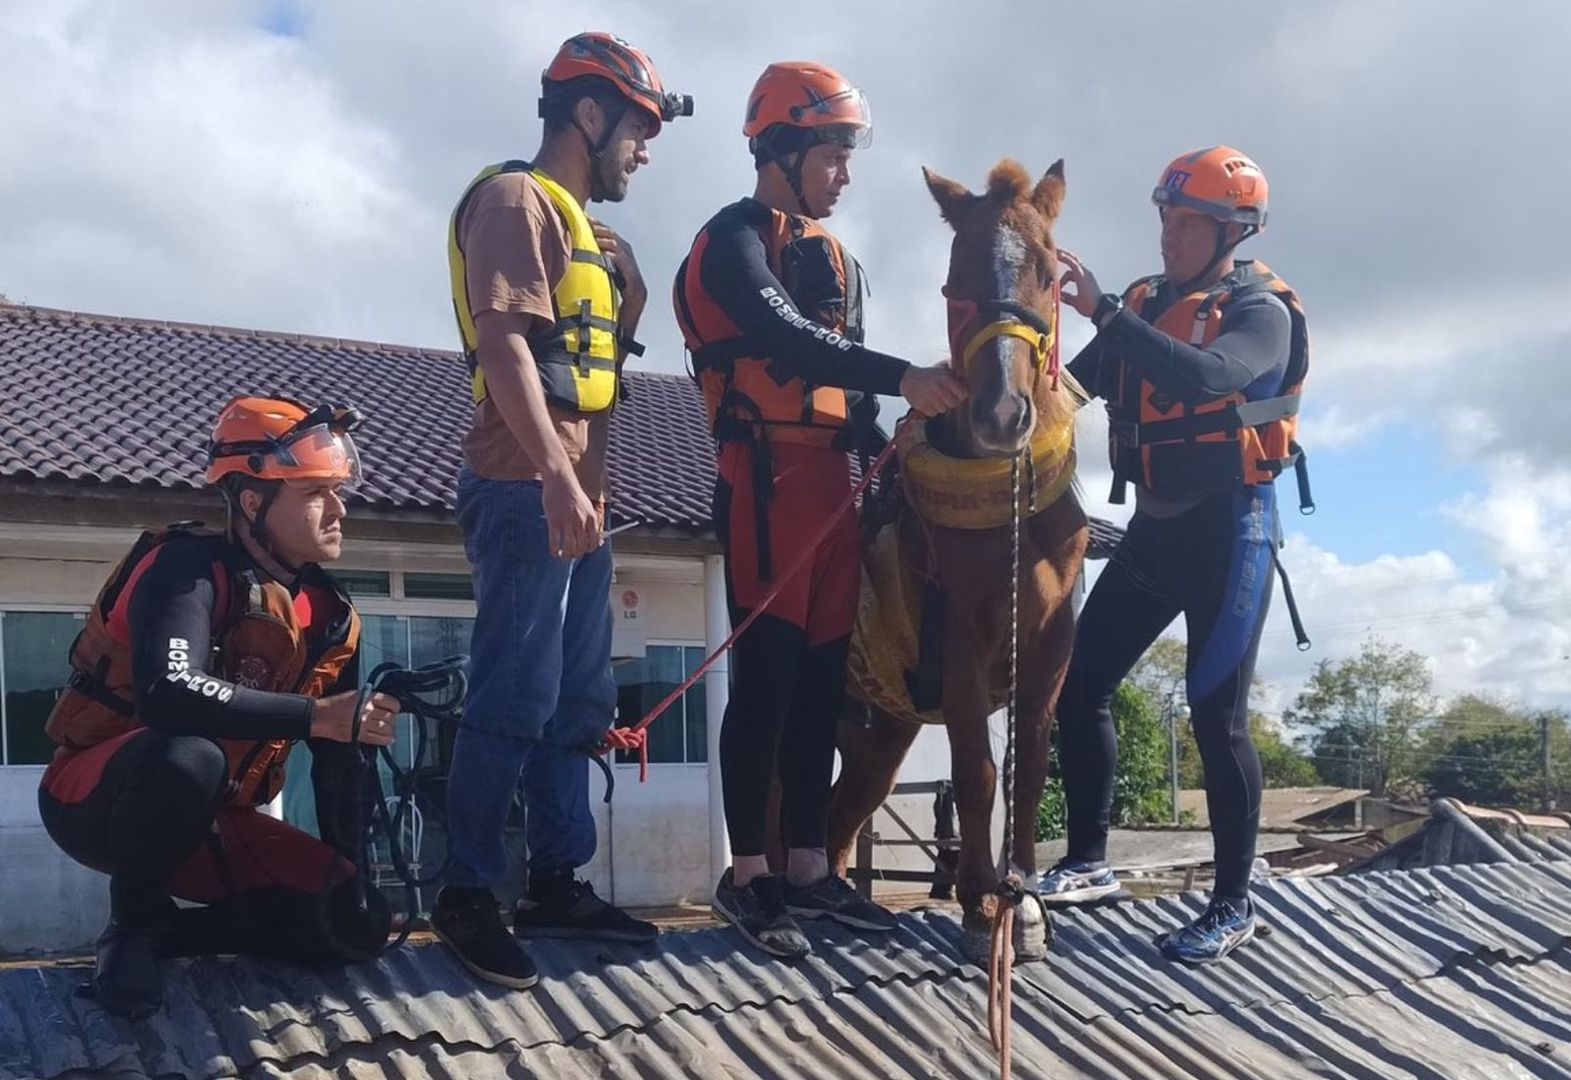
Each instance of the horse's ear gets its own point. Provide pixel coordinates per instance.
(951, 195)
(1049, 194)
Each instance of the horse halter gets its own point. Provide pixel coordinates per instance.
(1010, 318)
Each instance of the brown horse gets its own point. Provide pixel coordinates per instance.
(950, 545)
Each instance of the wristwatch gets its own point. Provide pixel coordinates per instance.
(1107, 307)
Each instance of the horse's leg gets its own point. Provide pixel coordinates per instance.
(1060, 536)
(975, 779)
(872, 746)
(1040, 684)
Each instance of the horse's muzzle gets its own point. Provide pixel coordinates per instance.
(1001, 428)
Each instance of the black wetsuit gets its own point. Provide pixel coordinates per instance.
(1207, 557)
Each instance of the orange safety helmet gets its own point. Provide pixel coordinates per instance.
(277, 438)
(1217, 181)
(624, 66)
(802, 94)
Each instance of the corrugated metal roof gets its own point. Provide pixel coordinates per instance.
(1451, 971)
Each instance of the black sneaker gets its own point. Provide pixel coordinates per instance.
(758, 911)
(469, 922)
(570, 909)
(835, 898)
(126, 980)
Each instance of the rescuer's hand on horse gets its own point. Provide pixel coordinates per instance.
(1087, 293)
(932, 390)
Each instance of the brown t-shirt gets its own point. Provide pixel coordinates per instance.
(516, 248)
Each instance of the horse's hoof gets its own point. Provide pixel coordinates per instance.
(1033, 933)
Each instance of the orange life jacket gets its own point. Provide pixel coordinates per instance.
(745, 395)
(1180, 449)
(260, 644)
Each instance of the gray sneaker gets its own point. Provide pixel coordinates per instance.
(1077, 882)
(758, 911)
(835, 898)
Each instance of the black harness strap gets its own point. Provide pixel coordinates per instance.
(1292, 605)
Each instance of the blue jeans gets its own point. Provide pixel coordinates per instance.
(540, 689)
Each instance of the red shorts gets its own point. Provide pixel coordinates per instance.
(810, 483)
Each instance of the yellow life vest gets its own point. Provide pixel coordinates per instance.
(577, 355)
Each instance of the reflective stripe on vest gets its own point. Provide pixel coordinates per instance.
(576, 356)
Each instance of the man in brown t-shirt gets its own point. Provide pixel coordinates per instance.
(547, 302)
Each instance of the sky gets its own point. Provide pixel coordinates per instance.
(289, 165)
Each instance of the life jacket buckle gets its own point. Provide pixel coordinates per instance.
(1124, 434)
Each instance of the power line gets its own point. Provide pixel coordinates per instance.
(1506, 759)
(1439, 614)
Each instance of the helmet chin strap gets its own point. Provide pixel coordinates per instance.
(252, 535)
(597, 149)
(793, 175)
(790, 162)
(1223, 250)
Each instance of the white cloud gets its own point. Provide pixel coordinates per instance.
(1490, 636)
(208, 173)
(1337, 426)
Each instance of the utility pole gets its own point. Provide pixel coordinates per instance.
(1547, 800)
(1175, 714)
(1172, 753)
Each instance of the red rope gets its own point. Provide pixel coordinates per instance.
(627, 738)
(1000, 981)
(1052, 360)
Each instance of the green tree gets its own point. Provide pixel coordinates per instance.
(1365, 713)
(1281, 763)
(1338, 756)
(1490, 768)
(1141, 790)
(1140, 786)
(1484, 750)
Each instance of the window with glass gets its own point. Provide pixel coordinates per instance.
(418, 586)
(364, 583)
(680, 735)
(34, 666)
